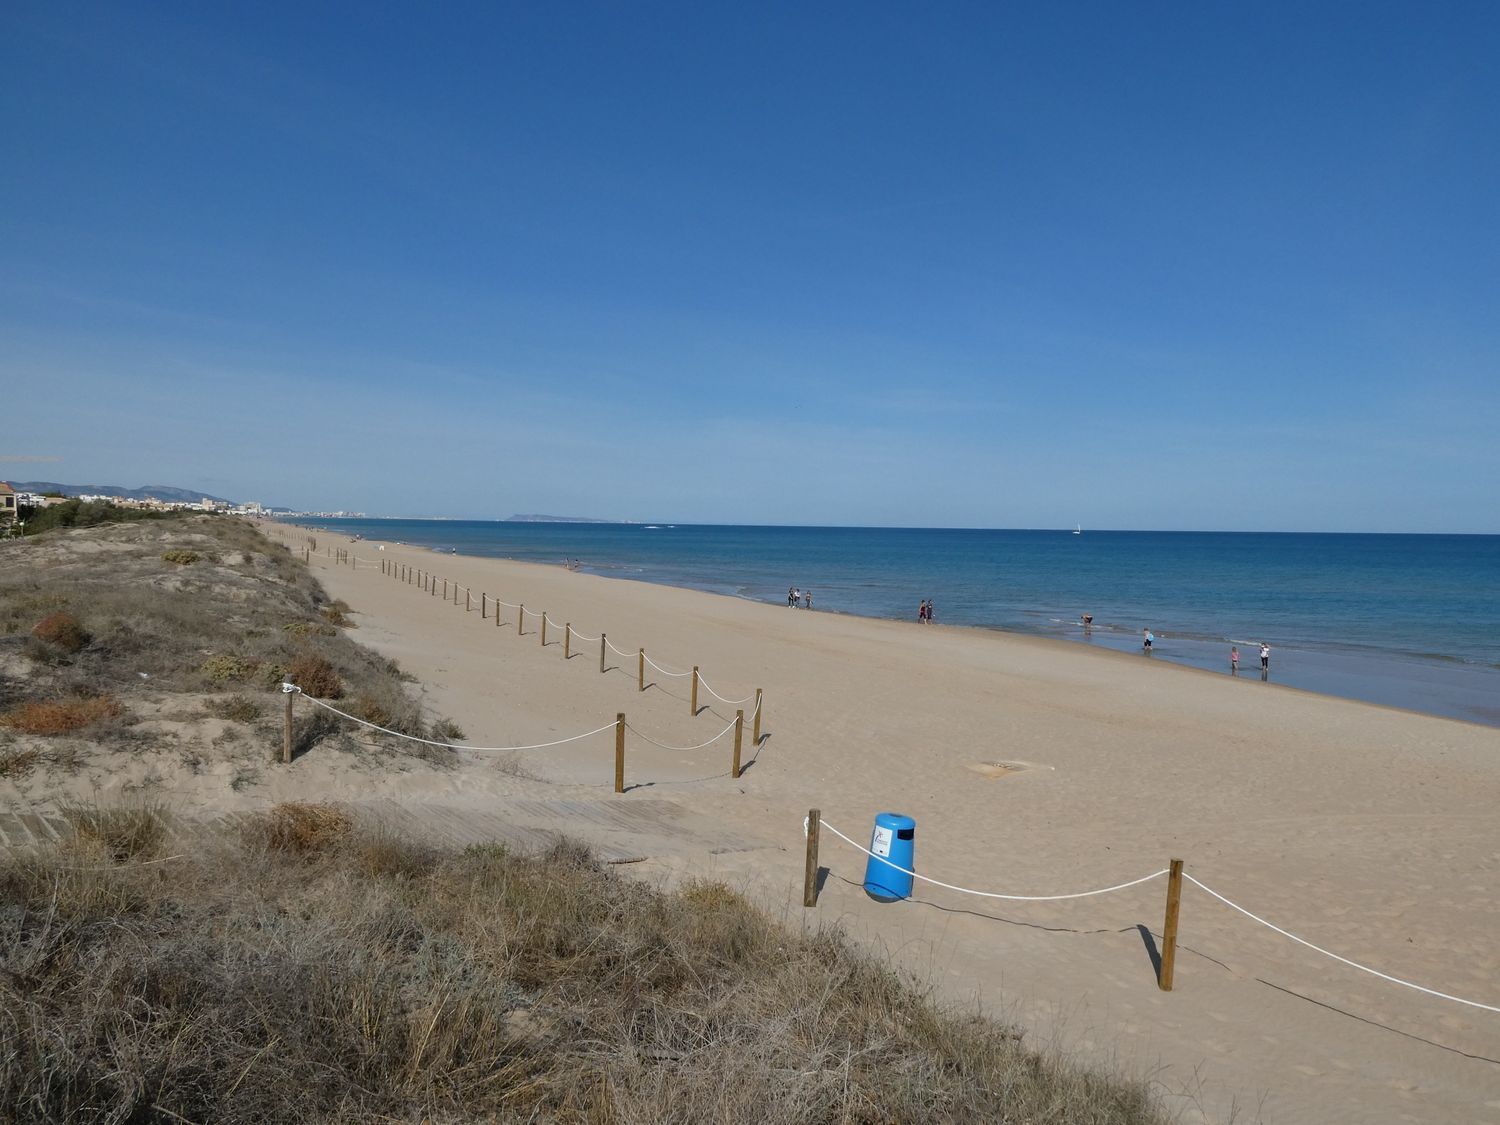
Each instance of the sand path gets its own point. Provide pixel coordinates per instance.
(1366, 830)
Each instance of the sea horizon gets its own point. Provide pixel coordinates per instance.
(1404, 619)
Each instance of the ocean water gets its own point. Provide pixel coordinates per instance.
(1405, 620)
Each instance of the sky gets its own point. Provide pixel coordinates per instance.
(1171, 266)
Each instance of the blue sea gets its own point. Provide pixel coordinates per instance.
(1405, 620)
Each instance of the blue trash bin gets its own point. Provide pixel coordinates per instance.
(894, 839)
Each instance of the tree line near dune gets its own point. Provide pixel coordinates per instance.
(84, 513)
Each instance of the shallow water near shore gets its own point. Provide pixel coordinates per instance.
(1408, 621)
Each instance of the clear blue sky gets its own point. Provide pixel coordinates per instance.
(1136, 266)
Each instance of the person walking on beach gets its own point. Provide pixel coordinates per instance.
(1265, 661)
(791, 595)
(807, 599)
(929, 611)
(922, 612)
(1234, 660)
(1147, 641)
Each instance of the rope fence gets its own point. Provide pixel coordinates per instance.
(427, 581)
(812, 824)
(619, 726)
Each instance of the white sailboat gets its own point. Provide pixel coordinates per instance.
(1078, 529)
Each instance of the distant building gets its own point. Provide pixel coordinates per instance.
(7, 503)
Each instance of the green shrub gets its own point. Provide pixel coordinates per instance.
(182, 558)
(227, 668)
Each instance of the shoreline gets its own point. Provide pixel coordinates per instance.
(1436, 685)
(1361, 827)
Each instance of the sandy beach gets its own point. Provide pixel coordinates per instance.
(1031, 767)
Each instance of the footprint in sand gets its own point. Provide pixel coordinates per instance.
(1005, 769)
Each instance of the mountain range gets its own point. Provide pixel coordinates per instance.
(164, 492)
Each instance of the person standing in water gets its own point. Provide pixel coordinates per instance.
(1147, 642)
(1265, 661)
(1234, 660)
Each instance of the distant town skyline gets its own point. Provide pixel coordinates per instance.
(1195, 267)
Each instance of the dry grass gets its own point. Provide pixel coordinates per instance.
(296, 826)
(181, 558)
(61, 630)
(235, 708)
(337, 613)
(122, 832)
(62, 716)
(240, 618)
(16, 764)
(316, 676)
(363, 978)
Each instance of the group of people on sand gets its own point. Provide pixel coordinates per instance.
(796, 597)
(924, 612)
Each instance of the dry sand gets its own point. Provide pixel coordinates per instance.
(1031, 767)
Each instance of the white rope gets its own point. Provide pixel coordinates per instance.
(584, 636)
(611, 644)
(991, 894)
(700, 745)
(704, 684)
(428, 741)
(1335, 956)
(662, 670)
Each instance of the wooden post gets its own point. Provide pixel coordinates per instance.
(445, 589)
(755, 737)
(544, 628)
(432, 584)
(484, 606)
(520, 619)
(620, 752)
(467, 591)
(739, 731)
(640, 672)
(286, 734)
(601, 653)
(810, 879)
(1169, 927)
(693, 703)
(567, 640)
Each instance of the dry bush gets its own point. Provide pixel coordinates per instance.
(61, 716)
(337, 613)
(61, 630)
(446, 730)
(397, 983)
(296, 826)
(124, 832)
(181, 558)
(236, 708)
(16, 764)
(316, 676)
